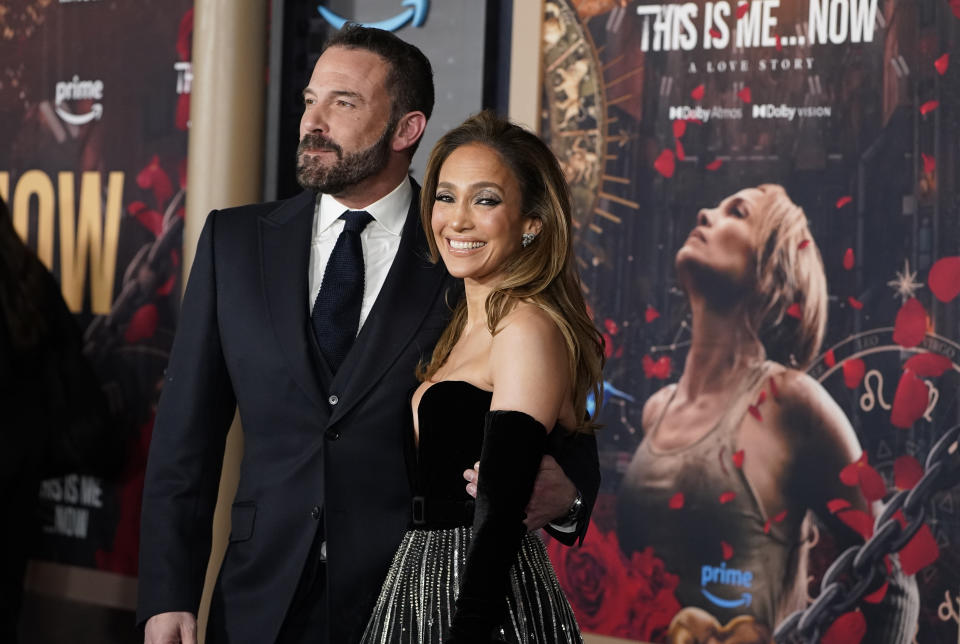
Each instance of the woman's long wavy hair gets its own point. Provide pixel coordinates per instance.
(544, 273)
(789, 271)
(21, 280)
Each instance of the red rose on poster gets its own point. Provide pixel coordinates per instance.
(911, 324)
(594, 578)
(679, 128)
(651, 314)
(614, 595)
(745, 95)
(907, 471)
(697, 93)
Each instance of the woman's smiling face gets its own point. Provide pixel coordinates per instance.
(477, 218)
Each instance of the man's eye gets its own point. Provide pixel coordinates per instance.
(343, 103)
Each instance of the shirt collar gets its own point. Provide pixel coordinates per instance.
(390, 211)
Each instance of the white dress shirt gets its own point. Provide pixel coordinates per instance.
(380, 241)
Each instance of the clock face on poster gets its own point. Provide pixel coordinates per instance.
(576, 122)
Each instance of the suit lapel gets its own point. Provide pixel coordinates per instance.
(285, 254)
(411, 287)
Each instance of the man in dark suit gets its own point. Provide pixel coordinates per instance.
(323, 498)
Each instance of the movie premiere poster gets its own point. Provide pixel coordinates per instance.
(94, 107)
(721, 528)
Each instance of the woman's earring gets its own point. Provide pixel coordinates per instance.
(527, 238)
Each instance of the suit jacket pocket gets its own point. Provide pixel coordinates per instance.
(241, 521)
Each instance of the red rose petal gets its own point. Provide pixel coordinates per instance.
(697, 93)
(804, 244)
(727, 550)
(944, 278)
(942, 63)
(681, 155)
(910, 401)
(665, 163)
(676, 501)
(761, 398)
(877, 596)
(714, 32)
(714, 165)
(780, 517)
(871, 483)
(742, 9)
(911, 324)
(849, 628)
(829, 359)
(906, 472)
(738, 458)
(929, 163)
(850, 474)
(745, 95)
(848, 259)
(928, 365)
(679, 127)
(659, 368)
(928, 107)
(853, 370)
(920, 552)
(167, 288)
(610, 326)
(766, 527)
(755, 412)
(955, 7)
(773, 389)
(795, 310)
(779, 44)
(843, 201)
(835, 505)
(726, 497)
(143, 324)
(854, 303)
(651, 314)
(859, 521)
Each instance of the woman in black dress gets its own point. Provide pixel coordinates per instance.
(516, 362)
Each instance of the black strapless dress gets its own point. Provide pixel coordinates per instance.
(417, 601)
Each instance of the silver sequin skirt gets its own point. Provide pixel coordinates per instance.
(418, 597)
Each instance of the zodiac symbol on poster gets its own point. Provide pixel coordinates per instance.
(946, 611)
(869, 399)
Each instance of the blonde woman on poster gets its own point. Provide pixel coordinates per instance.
(745, 445)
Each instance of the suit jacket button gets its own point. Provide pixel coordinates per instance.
(333, 400)
(315, 512)
(333, 434)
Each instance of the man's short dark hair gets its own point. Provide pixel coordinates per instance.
(410, 77)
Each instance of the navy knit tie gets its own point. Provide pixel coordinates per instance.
(336, 312)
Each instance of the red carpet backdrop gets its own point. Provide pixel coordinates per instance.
(94, 105)
(657, 110)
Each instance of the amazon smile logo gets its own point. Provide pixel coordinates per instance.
(415, 14)
(76, 90)
(730, 577)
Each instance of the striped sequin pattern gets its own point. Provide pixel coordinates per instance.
(418, 597)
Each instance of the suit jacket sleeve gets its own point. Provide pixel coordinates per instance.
(186, 450)
(576, 453)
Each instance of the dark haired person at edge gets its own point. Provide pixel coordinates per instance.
(54, 414)
(743, 266)
(310, 316)
(514, 365)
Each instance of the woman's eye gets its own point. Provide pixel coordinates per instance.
(444, 197)
(488, 201)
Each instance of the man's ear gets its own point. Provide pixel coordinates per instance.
(409, 130)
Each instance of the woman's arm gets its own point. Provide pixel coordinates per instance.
(530, 392)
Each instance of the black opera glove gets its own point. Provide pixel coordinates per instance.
(513, 446)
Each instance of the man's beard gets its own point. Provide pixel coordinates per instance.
(349, 169)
